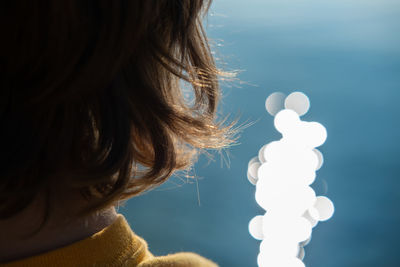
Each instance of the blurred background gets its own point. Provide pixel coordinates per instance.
(343, 54)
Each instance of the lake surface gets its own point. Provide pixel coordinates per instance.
(345, 55)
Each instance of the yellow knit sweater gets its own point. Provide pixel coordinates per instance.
(115, 245)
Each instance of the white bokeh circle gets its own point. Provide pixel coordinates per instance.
(298, 102)
(275, 103)
(325, 208)
(256, 228)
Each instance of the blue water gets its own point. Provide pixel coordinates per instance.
(345, 55)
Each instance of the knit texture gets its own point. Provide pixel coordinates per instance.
(116, 245)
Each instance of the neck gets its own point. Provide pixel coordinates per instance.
(17, 240)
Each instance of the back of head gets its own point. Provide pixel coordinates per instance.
(91, 98)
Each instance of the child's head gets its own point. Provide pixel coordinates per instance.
(91, 98)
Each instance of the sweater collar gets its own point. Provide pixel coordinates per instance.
(112, 246)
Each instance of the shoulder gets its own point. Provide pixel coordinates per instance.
(182, 259)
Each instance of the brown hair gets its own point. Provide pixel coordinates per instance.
(91, 96)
